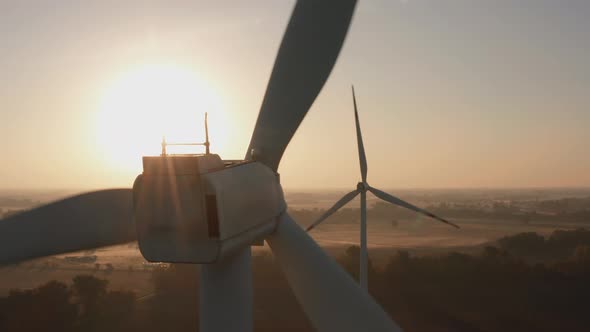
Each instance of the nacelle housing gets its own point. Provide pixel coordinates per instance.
(195, 209)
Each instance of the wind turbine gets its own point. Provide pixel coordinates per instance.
(201, 209)
(362, 188)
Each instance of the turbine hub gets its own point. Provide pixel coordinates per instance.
(362, 186)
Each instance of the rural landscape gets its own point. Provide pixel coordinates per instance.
(301, 165)
(520, 261)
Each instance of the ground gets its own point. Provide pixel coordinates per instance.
(130, 271)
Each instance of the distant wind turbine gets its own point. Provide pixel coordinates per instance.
(361, 188)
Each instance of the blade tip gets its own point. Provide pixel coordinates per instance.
(451, 223)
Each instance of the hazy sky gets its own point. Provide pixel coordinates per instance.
(451, 93)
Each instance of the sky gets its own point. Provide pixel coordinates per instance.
(451, 93)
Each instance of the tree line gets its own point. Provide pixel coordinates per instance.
(497, 289)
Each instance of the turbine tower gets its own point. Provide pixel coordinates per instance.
(362, 188)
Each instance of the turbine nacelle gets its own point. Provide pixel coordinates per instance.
(199, 209)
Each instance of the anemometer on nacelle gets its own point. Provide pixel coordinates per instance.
(206, 144)
(197, 208)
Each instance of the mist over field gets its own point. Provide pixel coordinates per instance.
(484, 215)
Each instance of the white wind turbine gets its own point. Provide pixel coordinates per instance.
(201, 209)
(362, 188)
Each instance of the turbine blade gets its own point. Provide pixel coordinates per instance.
(308, 52)
(347, 198)
(396, 201)
(359, 140)
(95, 219)
(331, 299)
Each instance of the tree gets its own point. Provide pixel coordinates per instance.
(524, 243)
(116, 309)
(89, 291)
(50, 303)
(54, 307)
(582, 254)
(350, 261)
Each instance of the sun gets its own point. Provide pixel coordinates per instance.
(148, 102)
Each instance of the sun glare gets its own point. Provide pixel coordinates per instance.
(151, 101)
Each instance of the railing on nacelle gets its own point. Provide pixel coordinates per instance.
(205, 144)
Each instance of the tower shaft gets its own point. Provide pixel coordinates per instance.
(363, 254)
